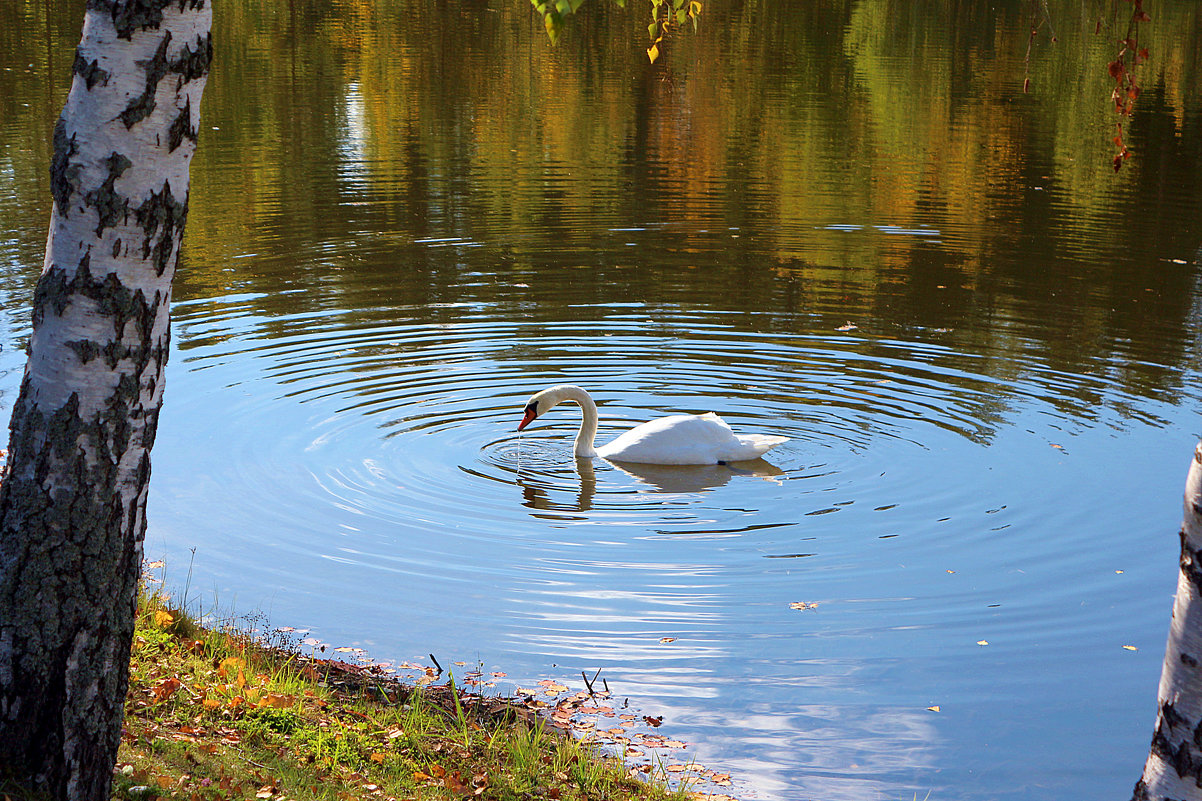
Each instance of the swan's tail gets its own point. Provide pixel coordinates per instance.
(758, 444)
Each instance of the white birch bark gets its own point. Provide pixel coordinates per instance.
(73, 501)
(1174, 766)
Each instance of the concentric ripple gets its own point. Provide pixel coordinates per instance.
(360, 471)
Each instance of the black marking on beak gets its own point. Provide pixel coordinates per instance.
(531, 412)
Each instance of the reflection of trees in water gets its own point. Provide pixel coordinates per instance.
(396, 157)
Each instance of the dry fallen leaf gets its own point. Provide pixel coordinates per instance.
(933, 708)
(166, 688)
(802, 606)
(1130, 648)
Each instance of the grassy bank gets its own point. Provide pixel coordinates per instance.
(215, 715)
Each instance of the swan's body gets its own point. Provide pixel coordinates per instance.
(679, 439)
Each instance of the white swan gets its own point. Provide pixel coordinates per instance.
(679, 439)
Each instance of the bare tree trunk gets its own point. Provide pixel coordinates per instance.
(73, 502)
(1174, 766)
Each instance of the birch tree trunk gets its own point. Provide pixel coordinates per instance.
(73, 501)
(1174, 766)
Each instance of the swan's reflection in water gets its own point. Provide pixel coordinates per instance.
(666, 479)
(695, 478)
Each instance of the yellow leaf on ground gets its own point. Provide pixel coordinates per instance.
(278, 701)
(378, 757)
(231, 664)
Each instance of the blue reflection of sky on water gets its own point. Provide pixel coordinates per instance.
(921, 508)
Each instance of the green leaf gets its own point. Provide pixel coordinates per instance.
(681, 16)
(651, 29)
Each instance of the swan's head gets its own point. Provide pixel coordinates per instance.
(543, 402)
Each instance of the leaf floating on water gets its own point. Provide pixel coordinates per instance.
(667, 639)
(801, 606)
(848, 326)
(982, 642)
(934, 708)
(1130, 648)
(1057, 447)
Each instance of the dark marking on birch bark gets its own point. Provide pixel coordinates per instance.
(162, 219)
(1169, 715)
(90, 71)
(194, 62)
(182, 128)
(1174, 750)
(1191, 564)
(112, 298)
(143, 105)
(132, 15)
(1140, 792)
(64, 176)
(85, 349)
(110, 207)
(1188, 660)
(116, 247)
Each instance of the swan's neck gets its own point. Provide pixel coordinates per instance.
(588, 426)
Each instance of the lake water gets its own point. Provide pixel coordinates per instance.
(846, 224)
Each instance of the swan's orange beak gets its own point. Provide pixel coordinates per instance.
(531, 413)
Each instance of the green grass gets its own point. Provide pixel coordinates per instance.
(215, 715)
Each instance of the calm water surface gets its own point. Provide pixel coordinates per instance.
(982, 343)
